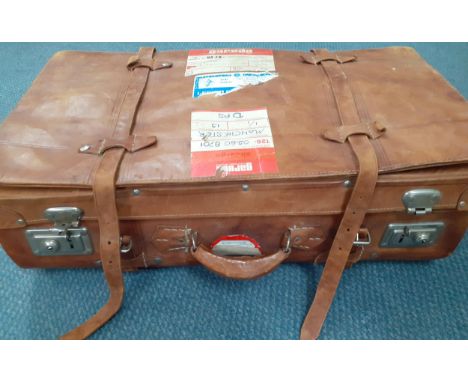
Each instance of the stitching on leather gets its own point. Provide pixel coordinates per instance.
(119, 109)
(363, 112)
(101, 146)
(304, 228)
(177, 249)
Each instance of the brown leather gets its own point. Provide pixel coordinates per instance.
(104, 196)
(131, 144)
(172, 239)
(318, 56)
(303, 237)
(44, 132)
(11, 218)
(358, 203)
(147, 62)
(372, 129)
(462, 204)
(240, 268)
(42, 167)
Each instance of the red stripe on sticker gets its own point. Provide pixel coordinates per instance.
(236, 238)
(234, 162)
(231, 52)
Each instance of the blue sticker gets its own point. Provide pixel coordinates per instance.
(224, 83)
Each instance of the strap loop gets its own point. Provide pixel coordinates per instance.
(357, 134)
(341, 133)
(151, 64)
(318, 56)
(104, 191)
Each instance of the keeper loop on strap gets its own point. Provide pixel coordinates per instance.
(152, 64)
(131, 144)
(341, 133)
(317, 56)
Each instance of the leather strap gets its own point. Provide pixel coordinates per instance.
(104, 196)
(358, 203)
(318, 56)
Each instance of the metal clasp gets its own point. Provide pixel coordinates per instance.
(64, 217)
(421, 201)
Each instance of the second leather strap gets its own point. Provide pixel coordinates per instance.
(358, 203)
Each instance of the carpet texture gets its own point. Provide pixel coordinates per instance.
(387, 300)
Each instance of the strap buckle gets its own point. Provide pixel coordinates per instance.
(363, 237)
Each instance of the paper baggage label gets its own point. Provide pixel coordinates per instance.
(224, 83)
(226, 143)
(205, 61)
(236, 245)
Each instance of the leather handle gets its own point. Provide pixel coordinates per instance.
(239, 267)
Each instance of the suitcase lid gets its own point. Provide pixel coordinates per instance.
(74, 101)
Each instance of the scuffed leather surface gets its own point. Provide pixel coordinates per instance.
(429, 300)
(73, 99)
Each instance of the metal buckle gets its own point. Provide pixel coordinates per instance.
(64, 238)
(193, 239)
(363, 237)
(287, 247)
(421, 201)
(125, 245)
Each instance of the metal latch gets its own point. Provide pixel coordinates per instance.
(411, 235)
(421, 201)
(65, 238)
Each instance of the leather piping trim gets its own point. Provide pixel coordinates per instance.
(105, 201)
(356, 209)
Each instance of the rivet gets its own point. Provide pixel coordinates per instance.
(347, 183)
(84, 148)
(136, 192)
(245, 187)
(374, 255)
(20, 221)
(462, 204)
(165, 64)
(158, 260)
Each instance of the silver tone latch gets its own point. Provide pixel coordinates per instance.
(421, 201)
(64, 217)
(411, 235)
(65, 238)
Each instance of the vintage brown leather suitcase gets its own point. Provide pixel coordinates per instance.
(236, 159)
